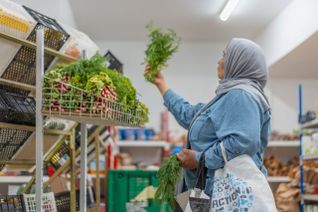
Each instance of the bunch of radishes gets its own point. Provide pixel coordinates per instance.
(105, 104)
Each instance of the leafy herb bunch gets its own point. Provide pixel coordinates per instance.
(169, 174)
(159, 50)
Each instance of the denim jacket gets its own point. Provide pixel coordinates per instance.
(236, 119)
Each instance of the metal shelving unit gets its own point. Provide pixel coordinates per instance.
(311, 197)
(160, 144)
(276, 147)
(283, 144)
(122, 118)
(310, 125)
(310, 157)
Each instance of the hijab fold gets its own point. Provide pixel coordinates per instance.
(245, 68)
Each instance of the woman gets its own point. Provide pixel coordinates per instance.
(239, 115)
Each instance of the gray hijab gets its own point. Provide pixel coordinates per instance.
(245, 68)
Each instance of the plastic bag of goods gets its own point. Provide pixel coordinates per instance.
(76, 44)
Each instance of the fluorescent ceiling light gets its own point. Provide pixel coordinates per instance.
(228, 9)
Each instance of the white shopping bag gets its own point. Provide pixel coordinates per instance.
(241, 186)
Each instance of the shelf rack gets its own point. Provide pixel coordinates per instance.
(310, 157)
(281, 179)
(160, 144)
(309, 125)
(40, 111)
(311, 197)
(283, 144)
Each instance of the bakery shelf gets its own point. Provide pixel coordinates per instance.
(280, 179)
(65, 101)
(311, 197)
(283, 144)
(311, 124)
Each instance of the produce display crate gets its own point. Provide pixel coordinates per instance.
(61, 156)
(11, 203)
(63, 200)
(113, 62)
(22, 67)
(125, 185)
(65, 101)
(10, 142)
(17, 108)
(48, 202)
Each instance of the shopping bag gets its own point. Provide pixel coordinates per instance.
(195, 200)
(241, 186)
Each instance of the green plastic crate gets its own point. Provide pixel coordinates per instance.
(124, 185)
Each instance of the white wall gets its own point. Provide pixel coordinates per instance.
(191, 73)
(57, 9)
(284, 101)
(296, 23)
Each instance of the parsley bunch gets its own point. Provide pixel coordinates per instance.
(160, 48)
(169, 174)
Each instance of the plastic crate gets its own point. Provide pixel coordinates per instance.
(125, 185)
(10, 142)
(22, 67)
(58, 159)
(17, 108)
(48, 202)
(63, 200)
(11, 203)
(113, 62)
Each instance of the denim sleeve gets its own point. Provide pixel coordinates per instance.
(237, 122)
(182, 110)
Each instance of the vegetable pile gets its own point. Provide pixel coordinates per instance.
(160, 48)
(169, 174)
(87, 86)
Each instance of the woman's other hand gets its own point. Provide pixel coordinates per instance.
(159, 81)
(187, 159)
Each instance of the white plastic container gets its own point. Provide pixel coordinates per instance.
(14, 20)
(48, 202)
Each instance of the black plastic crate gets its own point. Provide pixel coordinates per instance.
(17, 108)
(114, 63)
(62, 200)
(11, 203)
(23, 66)
(10, 142)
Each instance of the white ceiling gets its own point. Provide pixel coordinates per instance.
(301, 62)
(194, 20)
